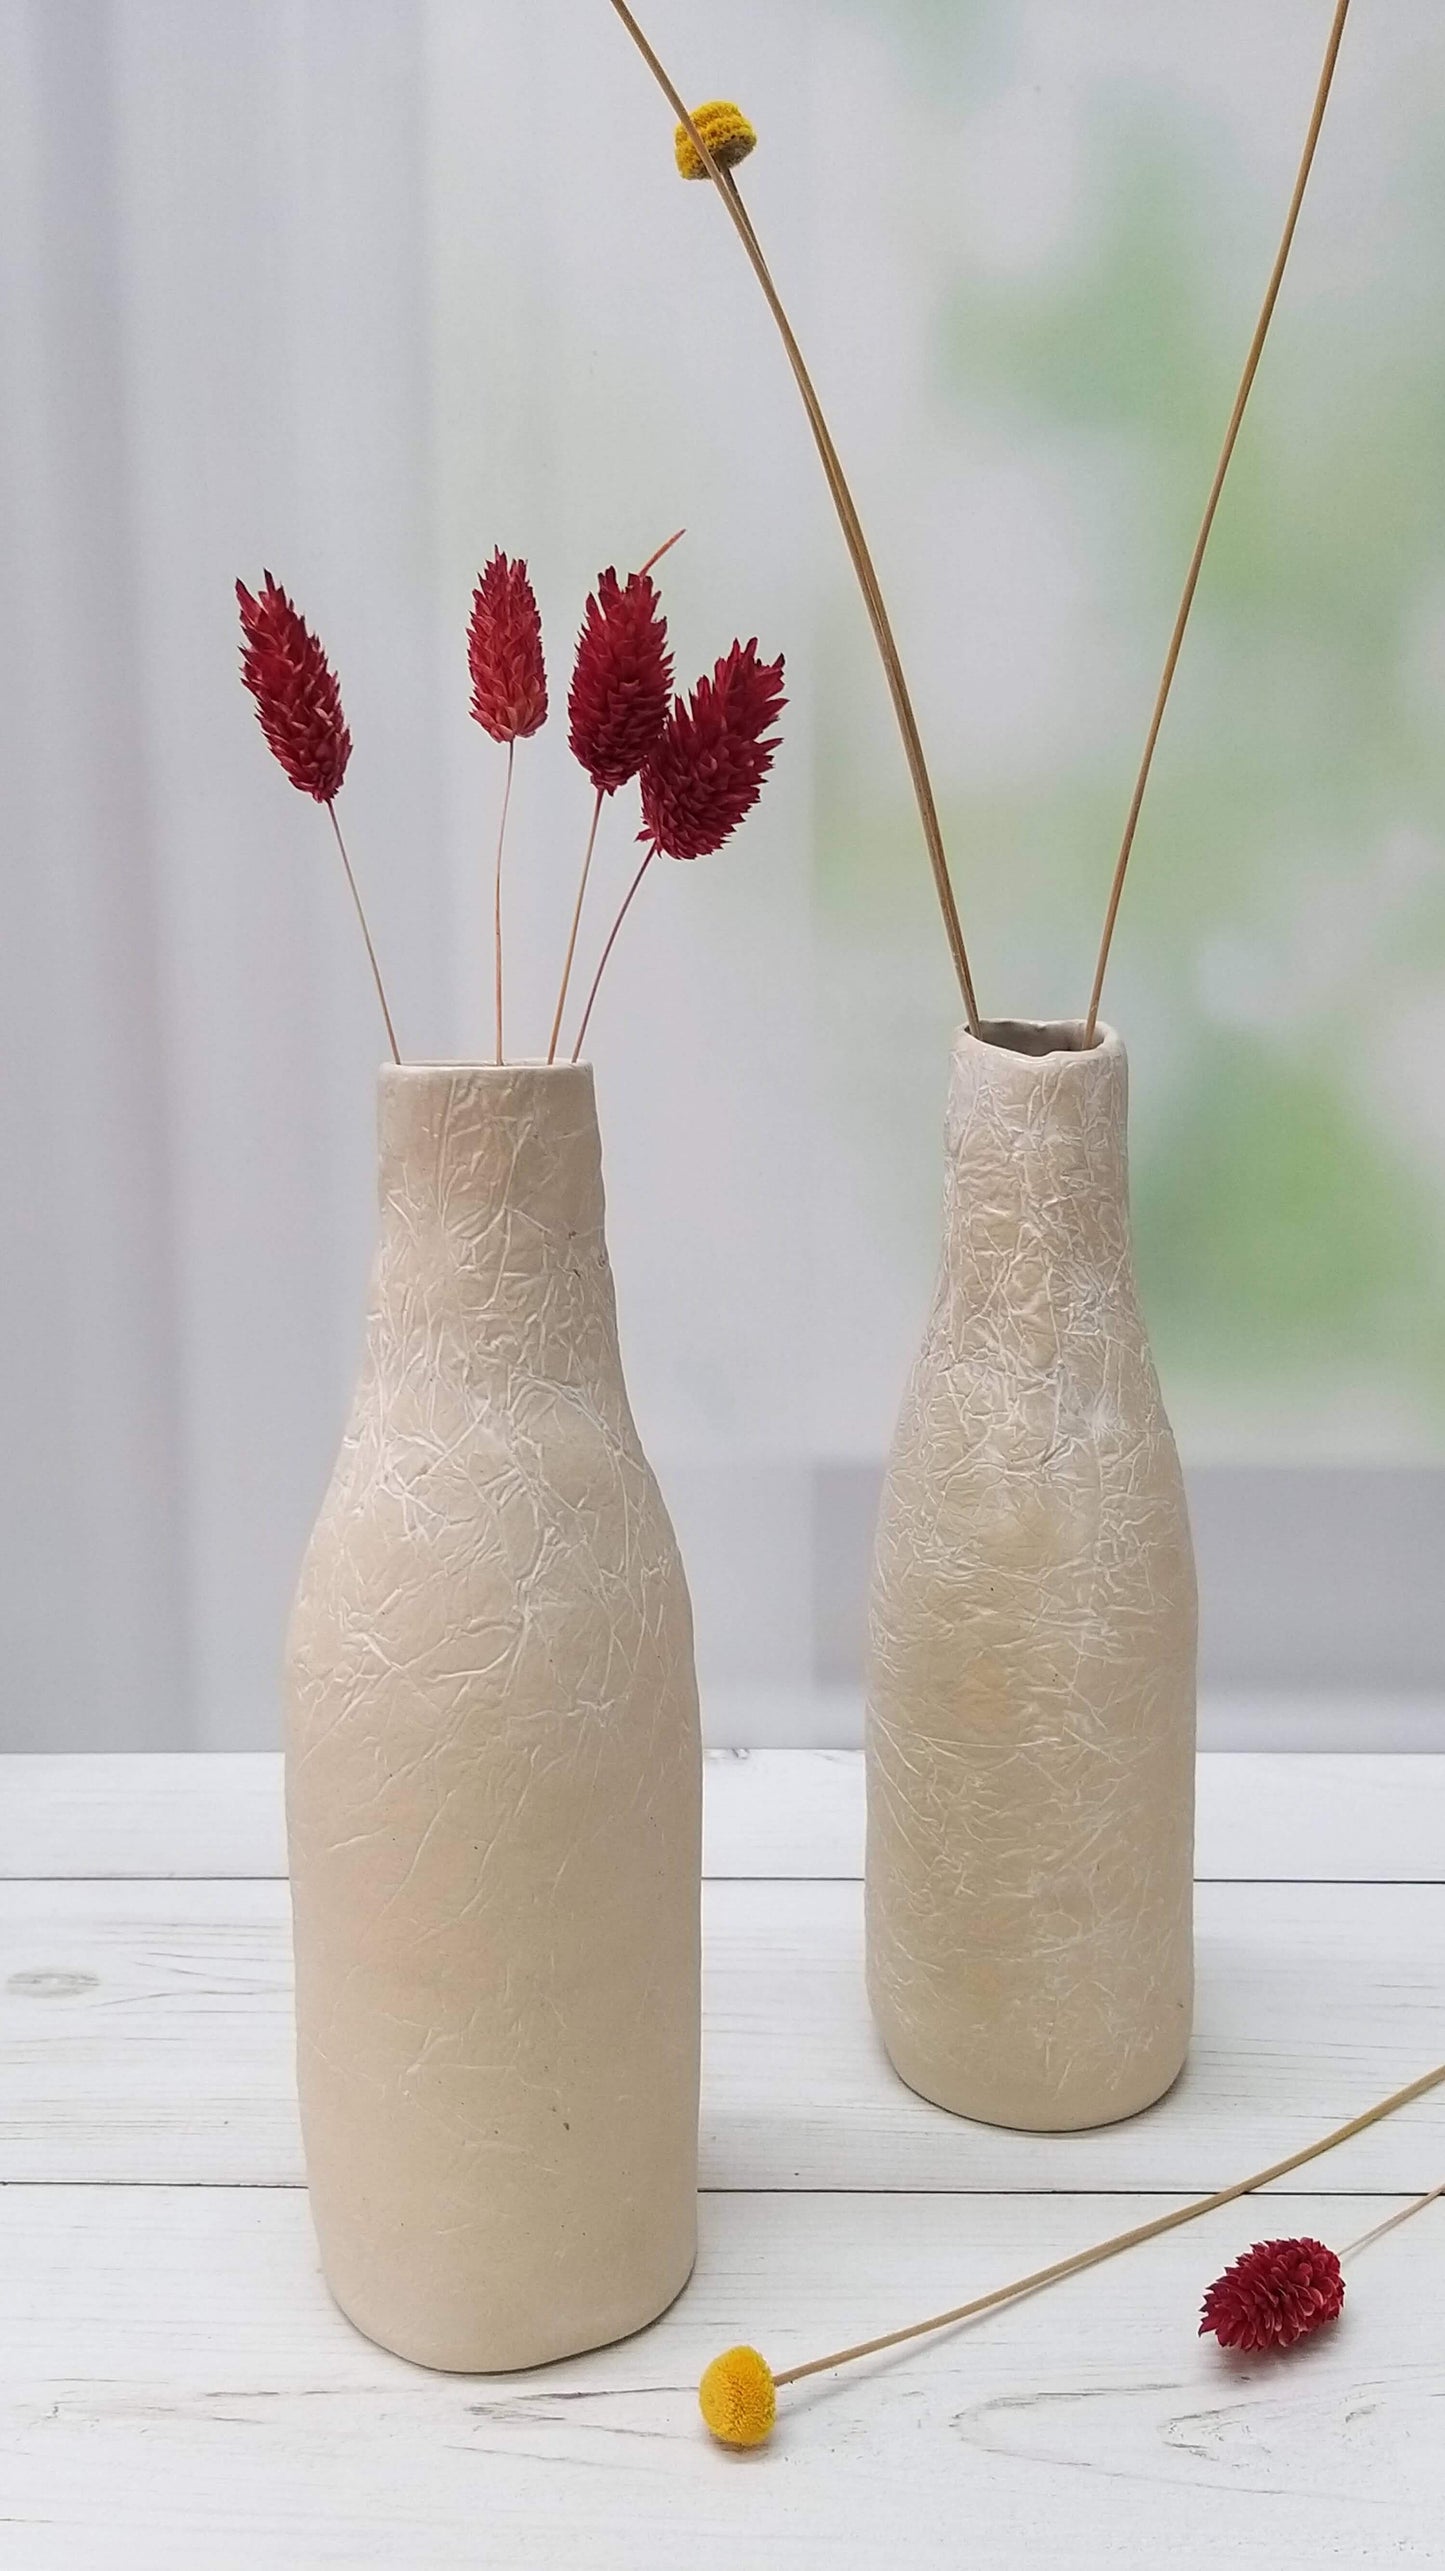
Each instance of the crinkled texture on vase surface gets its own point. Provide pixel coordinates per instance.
(1030, 1727)
(493, 1773)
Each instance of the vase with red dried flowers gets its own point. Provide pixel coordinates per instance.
(1031, 1668)
(493, 1757)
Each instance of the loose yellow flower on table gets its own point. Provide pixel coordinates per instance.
(738, 2395)
(738, 2398)
(726, 132)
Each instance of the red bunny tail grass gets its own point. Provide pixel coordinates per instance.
(504, 649)
(1277, 2293)
(298, 703)
(708, 766)
(298, 706)
(622, 682)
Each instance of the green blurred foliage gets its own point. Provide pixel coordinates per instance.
(1286, 913)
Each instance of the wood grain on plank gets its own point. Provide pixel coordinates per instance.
(146, 2033)
(1281, 1818)
(158, 1813)
(179, 2390)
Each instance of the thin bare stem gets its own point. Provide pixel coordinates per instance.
(661, 550)
(606, 951)
(497, 895)
(848, 517)
(576, 923)
(366, 933)
(1393, 2222)
(1196, 559)
(1122, 2240)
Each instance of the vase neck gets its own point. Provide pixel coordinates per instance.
(1036, 1200)
(492, 1216)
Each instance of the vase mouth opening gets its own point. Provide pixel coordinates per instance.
(455, 1063)
(1039, 1039)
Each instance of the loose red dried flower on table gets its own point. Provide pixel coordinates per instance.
(1277, 2293)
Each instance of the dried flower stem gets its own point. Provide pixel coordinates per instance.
(603, 790)
(1393, 2222)
(497, 895)
(1196, 559)
(576, 924)
(366, 933)
(1130, 2240)
(674, 539)
(607, 950)
(848, 517)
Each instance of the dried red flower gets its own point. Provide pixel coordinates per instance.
(1278, 2292)
(622, 682)
(504, 649)
(707, 768)
(298, 702)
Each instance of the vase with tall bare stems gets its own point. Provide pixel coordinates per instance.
(493, 1769)
(1031, 1663)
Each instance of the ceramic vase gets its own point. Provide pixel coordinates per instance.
(493, 1768)
(1030, 1724)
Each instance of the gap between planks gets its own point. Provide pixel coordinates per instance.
(149, 2036)
(770, 1815)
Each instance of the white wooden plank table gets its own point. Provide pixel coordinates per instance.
(180, 2394)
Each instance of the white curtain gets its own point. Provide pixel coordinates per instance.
(354, 290)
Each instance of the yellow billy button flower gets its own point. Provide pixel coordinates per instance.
(726, 132)
(738, 2398)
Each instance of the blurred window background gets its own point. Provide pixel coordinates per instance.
(356, 289)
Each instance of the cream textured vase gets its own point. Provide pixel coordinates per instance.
(493, 1768)
(1032, 1632)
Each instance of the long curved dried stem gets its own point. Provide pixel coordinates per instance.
(1129, 2240)
(848, 517)
(1196, 559)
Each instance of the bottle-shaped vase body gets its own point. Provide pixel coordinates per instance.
(1031, 1680)
(493, 1767)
